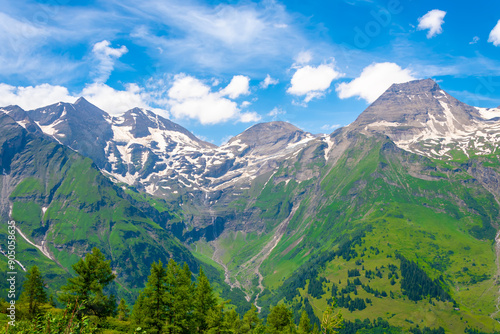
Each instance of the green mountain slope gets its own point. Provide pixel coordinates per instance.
(62, 203)
(373, 202)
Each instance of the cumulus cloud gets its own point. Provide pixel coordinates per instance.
(268, 81)
(187, 87)
(106, 57)
(312, 82)
(116, 102)
(495, 35)
(187, 97)
(111, 100)
(32, 97)
(248, 117)
(373, 81)
(191, 98)
(432, 21)
(239, 85)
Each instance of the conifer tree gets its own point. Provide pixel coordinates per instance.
(279, 320)
(34, 292)
(250, 320)
(232, 321)
(204, 301)
(215, 320)
(150, 309)
(304, 324)
(180, 294)
(122, 310)
(93, 275)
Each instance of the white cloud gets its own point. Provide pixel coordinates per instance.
(218, 36)
(304, 57)
(248, 117)
(106, 57)
(116, 102)
(276, 112)
(112, 101)
(188, 97)
(191, 98)
(186, 87)
(313, 81)
(24, 52)
(225, 139)
(474, 40)
(330, 127)
(495, 35)
(268, 81)
(33, 97)
(433, 21)
(239, 85)
(373, 81)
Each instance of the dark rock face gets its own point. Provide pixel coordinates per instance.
(80, 126)
(22, 118)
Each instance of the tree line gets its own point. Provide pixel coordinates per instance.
(173, 301)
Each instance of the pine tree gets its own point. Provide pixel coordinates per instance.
(180, 303)
(150, 309)
(34, 292)
(204, 301)
(250, 320)
(232, 321)
(279, 319)
(304, 324)
(215, 320)
(93, 275)
(122, 310)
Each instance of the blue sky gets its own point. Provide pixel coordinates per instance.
(218, 67)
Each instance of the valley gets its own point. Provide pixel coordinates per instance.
(277, 214)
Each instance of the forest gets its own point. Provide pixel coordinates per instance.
(173, 301)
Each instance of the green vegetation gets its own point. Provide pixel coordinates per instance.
(402, 241)
(34, 292)
(94, 274)
(370, 209)
(171, 302)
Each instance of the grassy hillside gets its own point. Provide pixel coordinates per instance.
(60, 200)
(375, 202)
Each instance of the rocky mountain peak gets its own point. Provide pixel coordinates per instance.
(415, 87)
(265, 133)
(415, 103)
(419, 115)
(82, 101)
(22, 118)
(269, 138)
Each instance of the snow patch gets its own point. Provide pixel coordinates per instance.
(489, 113)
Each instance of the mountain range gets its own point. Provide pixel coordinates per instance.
(276, 214)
